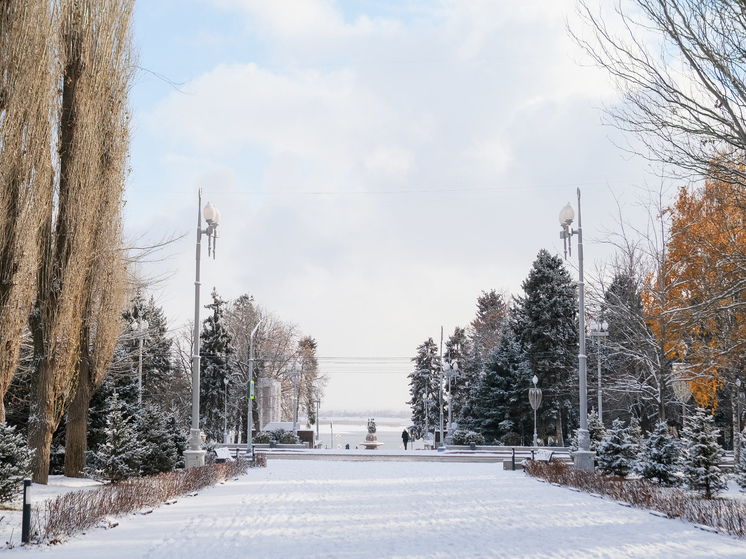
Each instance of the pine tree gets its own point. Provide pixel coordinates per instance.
(177, 432)
(423, 389)
(15, 461)
(120, 456)
(216, 353)
(660, 458)
(500, 399)
(617, 452)
(160, 451)
(702, 455)
(544, 321)
(456, 352)
(158, 370)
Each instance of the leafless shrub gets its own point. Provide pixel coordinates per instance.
(260, 460)
(723, 514)
(76, 511)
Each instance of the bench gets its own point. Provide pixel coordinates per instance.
(542, 455)
(223, 454)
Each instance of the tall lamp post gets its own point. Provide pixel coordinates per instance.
(225, 412)
(441, 446)
(295, 374)
(451, 368)
(599, 330)
(250, 392)
(141, 331)
(534, 398)
(195, 456)
(583, 457)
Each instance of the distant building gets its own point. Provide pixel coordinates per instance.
(269, 394)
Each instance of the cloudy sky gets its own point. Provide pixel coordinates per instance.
(377, 164)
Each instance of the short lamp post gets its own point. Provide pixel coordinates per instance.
(451, 369)
(195, 456)
(295, 375)
(583, 456)
(141, 331)
(534, 398)
(598, 331)
(26, 514)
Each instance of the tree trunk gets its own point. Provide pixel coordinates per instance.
(42, 424)
(76, 434)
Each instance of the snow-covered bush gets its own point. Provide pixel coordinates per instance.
(263, 437)
(659, 459)
(703, 454)
(511, 439)
(617, 452)
(287, 437)
(15, 461)
(462, 437)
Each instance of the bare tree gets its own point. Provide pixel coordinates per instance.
(94, 51)
(678, 65)
(106, 279)
(26, 172)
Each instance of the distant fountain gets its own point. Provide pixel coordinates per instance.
(371, 440)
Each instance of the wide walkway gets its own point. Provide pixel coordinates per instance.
(361, 510)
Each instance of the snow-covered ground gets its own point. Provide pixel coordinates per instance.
(371, 510)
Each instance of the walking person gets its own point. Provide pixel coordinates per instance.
(405, 438)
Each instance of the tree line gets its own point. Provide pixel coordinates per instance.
(673, 293)
(67, 290)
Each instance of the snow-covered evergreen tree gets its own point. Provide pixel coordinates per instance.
(15, 461)
(702, 454)
(544, 321)
(457, 348)
(423, 388)
(160, 453)
(617, 452)
(120, 456)
(216, 353)
(177, 431)
(501, 395)
(660, 458)
(157, 361)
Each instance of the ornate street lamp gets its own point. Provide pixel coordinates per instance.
(195, 456)
(534, 398)
(141, 331)
(583, 456)
(599, 330)
(250, 392)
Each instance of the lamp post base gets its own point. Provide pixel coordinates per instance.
(584, 460)
(195, 456)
